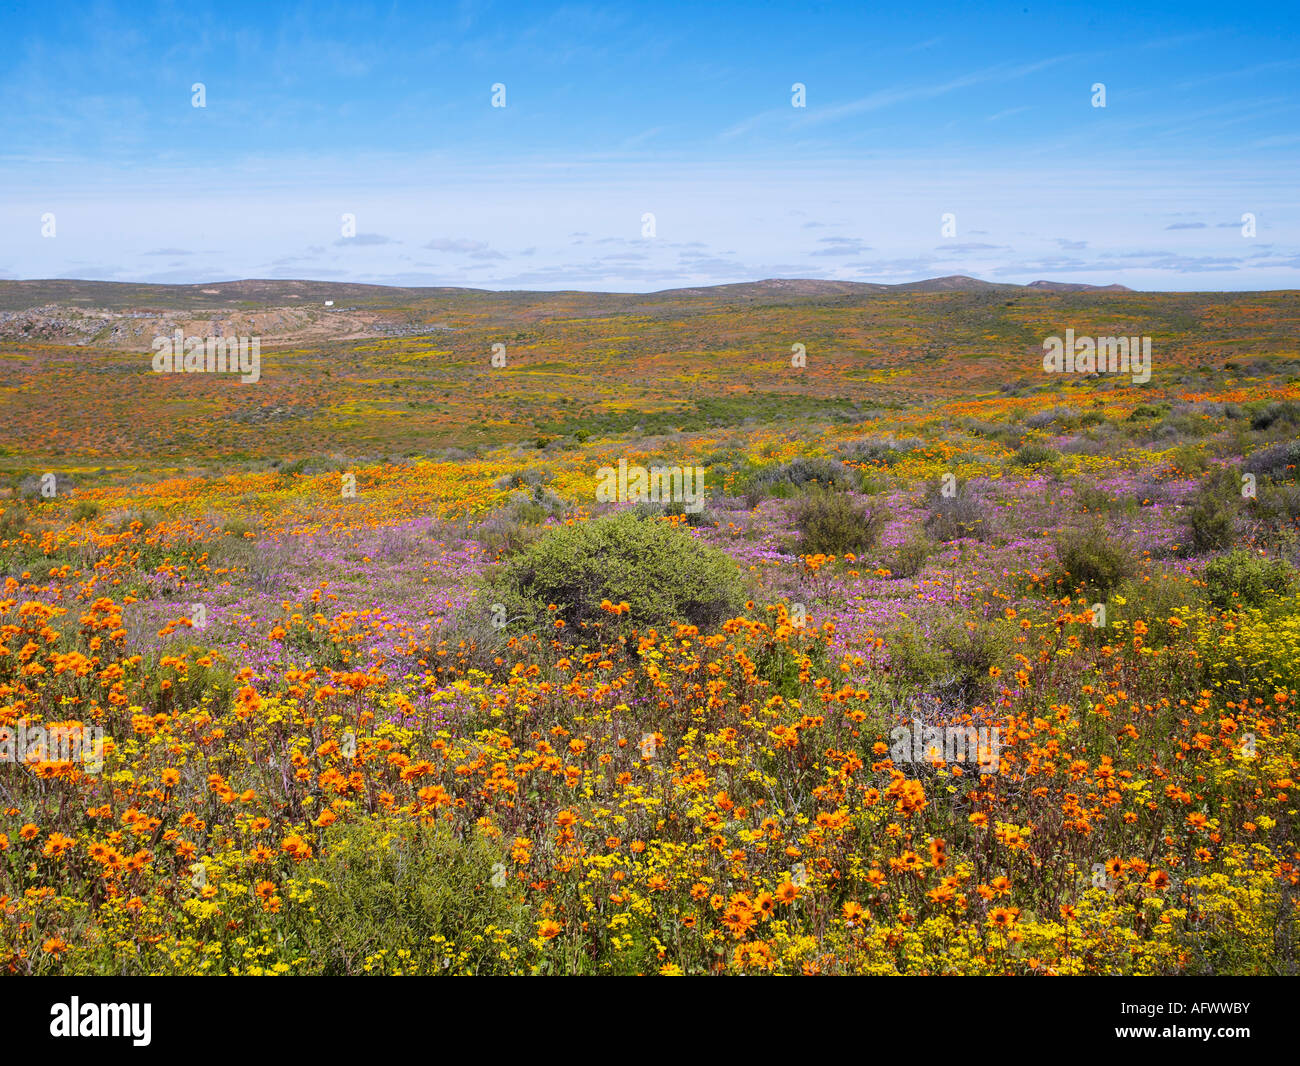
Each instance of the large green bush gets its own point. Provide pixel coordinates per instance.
(422, 890)
(1090, 556)
(662, 572)
(1244, 579)
(832, 524)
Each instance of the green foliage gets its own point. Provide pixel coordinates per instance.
(1034, 454)
(1008, 434)
(1211, 519)
(780, 663)
(1280, 504)
(1062, 417)
(1258, 655)
(911, 556)
(192, 686)
(1090, 556)
(662, 572)
(1188, 460)
(1144, 411)
(915, 658)
(1280, 461)
(313, 644)
(83, 510)
(13, 520)
(518, 522)
(784, 480)
(528, 478)
(1095, 500)
(702, 518)
(877, 452)
(954, 517)
(832, 524)
(1246, 579)
(377, 891)
(947, 658)
(1155, 599)
(290, 469)
(1278, 413)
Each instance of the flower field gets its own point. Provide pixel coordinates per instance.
(322, 749)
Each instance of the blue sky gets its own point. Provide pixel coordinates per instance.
(684, 111)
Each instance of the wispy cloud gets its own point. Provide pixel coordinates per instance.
(882, 99)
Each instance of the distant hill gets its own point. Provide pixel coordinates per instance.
(126, 316)
(818, 287)
(251, 293)
(1074, 286)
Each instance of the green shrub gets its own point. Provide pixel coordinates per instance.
(1211, 518)
(1034, 454)
(83, 510)
(214, 683)
(915, 657)
(1060, 416)
(1280, 503)
(1006, 433)
(12, 521)
(300, 466)
(1095, 500)
(1245, 579)
(947, 658)
(1279, 412)
(1090, 556)
(1188, 460)
(702, 518)
(783, 480)
(781, 663)
(1185, 422)
(1280, 461)
(1148, 410)
(877, 452)
(518, 521)
(1165, 595)
(832, 524)
(954, 517)
(528, 478)
(662, 572)
(377, 892)
(911, 556)
(973, 652)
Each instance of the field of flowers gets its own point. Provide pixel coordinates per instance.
(327, 749)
